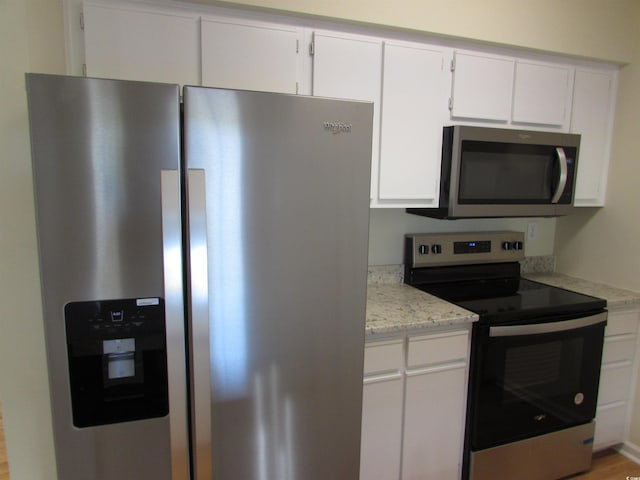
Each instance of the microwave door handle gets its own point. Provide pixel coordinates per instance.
(562, 181)
(551, 327)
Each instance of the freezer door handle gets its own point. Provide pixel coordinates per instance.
(174, 318)
(199, 323)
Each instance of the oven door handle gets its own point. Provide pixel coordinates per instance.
(551, 327)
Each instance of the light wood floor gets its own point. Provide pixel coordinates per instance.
(610, 465)
(607, 465)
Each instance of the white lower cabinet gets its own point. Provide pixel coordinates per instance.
(381, 428)
(434, 423)
(382, 400)
(617, 378)
(413, 409)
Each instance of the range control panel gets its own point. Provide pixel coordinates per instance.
(440, 249)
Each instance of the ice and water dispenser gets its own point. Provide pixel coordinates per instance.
(117, 360)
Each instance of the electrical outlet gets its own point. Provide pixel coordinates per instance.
(532, 231)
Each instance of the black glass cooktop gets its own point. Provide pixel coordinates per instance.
(514, 299)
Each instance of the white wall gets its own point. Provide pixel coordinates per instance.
(30, 39)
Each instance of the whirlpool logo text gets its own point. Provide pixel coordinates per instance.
(337, 127)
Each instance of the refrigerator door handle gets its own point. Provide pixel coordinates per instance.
(199, 324)
(175, 325)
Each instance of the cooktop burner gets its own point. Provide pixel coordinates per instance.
(480, 272)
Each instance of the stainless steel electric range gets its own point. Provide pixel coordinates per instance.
(535, 356)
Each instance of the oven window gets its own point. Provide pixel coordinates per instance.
(527, 385)
(547, 366)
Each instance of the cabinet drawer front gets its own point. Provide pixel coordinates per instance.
(621, 323)
(614, 383)
(438, 348)
(618, 349)
(383, 357)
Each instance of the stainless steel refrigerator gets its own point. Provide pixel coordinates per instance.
(203, 267)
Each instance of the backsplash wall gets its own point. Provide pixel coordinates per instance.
(388, 226)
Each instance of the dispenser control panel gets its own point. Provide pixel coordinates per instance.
(116, 351)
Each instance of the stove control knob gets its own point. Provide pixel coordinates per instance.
(423, 249)
(436, 249)
(518, 245)
(507, 245)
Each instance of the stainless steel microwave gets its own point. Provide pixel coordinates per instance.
(497, 172)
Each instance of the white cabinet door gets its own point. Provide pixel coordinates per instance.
(134, 43)
(592, 116)
(250, 56)
(350, 67)
(617, 378)
(414, 109)
(435, 405)
(542, 94)
(381, 428)
(434, 423)
(482, 86)
(382, 410)
(610, 425)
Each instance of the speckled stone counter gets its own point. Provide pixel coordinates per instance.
(396, 308)
(615, 297)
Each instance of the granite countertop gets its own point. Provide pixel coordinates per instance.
(396, 307)
(615, 297)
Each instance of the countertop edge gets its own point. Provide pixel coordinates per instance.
(397, 308)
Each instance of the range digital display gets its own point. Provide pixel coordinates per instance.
(472, 247)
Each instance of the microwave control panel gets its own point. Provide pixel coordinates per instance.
(441, 249)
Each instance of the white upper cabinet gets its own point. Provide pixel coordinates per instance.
(136, 43)
(416, 78)
(350, 67)
(250, 56)
(514, 92)
(416, 87)
(594, 95)
(542, 94)
(482, 86)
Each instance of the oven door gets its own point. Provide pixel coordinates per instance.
(530, 379)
